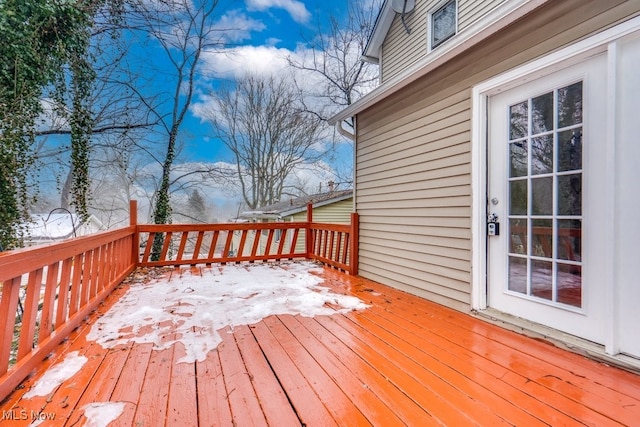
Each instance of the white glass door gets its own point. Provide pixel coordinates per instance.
(545, 137)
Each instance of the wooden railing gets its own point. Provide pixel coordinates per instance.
(47, 291)
(193, 244)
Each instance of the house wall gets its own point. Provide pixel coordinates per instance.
(400, 49)
(413, 170)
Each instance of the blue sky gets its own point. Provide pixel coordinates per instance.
(267, 32)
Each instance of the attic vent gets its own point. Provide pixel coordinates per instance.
(403, 7)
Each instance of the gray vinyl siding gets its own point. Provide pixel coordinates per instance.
(400, 49)
(413, 155)
(472, 10)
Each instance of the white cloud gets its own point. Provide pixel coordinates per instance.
(236, 62)
(237, 26)
(296, 9)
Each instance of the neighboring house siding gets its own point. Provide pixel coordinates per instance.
(400, 49)
(413, 170)
(334, 213)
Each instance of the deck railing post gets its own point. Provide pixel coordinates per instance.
(308, 233)
(133, 221)
(353, 248)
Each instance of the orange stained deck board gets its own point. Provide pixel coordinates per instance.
(402, 361)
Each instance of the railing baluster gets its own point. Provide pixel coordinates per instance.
(46, 318)
(183, 244)
(214, 242)
(294, 241)
(243, 239)
(227, 245)
(283, 236)
(256, 242)
(196, 249)
(95, 272)
(28, 329)
(345, 251)
(165, 246)
(86, 278)
(331, 239)
(8, 308)
(267, 248)
(63, 291)
(75, 284)
(149, 245)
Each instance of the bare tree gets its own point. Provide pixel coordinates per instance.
(182, 29)
(263, 122)
(333, 62)
(334, 59)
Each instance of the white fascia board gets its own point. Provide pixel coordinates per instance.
(501, 17)
(379, 33)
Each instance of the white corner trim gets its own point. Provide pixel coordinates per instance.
(478, 200)
(612, 341)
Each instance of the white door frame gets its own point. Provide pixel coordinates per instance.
(605, 41)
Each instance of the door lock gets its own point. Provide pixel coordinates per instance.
(493, 226)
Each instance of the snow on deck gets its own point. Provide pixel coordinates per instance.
(191, 305)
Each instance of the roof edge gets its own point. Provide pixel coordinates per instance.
(379, 33)
(499, 18)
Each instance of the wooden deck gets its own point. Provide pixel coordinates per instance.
(403, 361)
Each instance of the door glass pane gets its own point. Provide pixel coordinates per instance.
(570, 105)
(518, 275)
(542, 238)
(545, 196)
(519, 120)
(542, 155)
(542, 279)
(570, 150)
(518, 236)
(542, 196)
(518, 159)
(542, 114)
(518, 197)
(570, 194)
(569, 279)
(570, 239)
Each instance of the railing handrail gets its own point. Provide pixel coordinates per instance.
(24, 260)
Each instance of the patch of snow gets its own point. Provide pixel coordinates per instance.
(191, 308)
(101, 414)
(56, 375)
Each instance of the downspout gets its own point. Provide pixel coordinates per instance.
(342, 131)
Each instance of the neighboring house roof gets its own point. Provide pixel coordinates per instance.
(60, 226)
(294, 206)
(501, 17)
